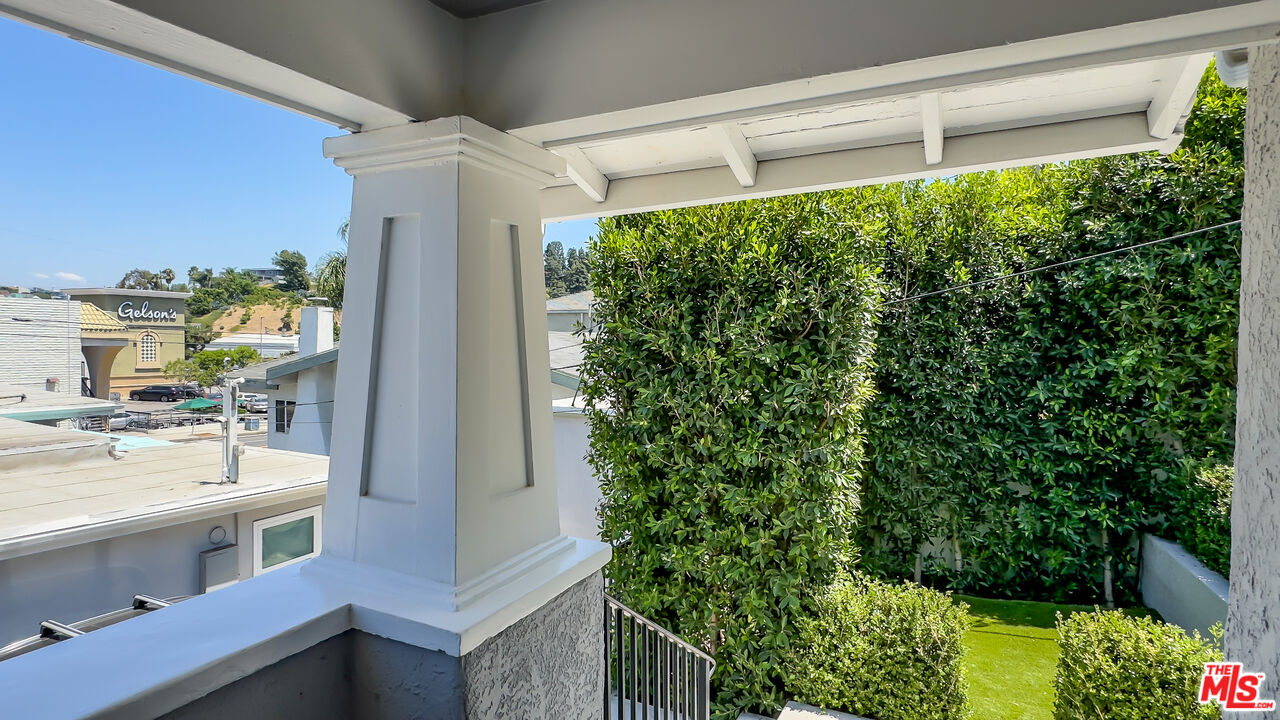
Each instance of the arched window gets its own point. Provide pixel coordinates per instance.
(147, 348)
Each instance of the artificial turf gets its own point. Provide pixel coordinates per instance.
(1012, 656)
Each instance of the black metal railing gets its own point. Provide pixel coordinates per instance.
(650, 673)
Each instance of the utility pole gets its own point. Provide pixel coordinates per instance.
(231, 450)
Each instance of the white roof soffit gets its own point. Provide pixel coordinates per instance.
(1069, 115)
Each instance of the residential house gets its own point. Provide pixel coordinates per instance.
(300, 388)
(87, 521)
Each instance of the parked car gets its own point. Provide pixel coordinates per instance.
(163, 393)
(258, 405)
(248, 398)
(119, 420)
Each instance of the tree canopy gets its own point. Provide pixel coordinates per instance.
(139, 279)
(294, 266)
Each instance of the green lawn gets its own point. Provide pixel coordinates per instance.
(1012, 656)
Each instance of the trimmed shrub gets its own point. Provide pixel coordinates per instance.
(726, 381)
(888, 652)
(1203, 524)
(1123, 668)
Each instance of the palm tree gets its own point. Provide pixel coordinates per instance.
(331, 272)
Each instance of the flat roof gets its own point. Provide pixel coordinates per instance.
(572, 303)
(47, 505)
(33, 404)
(74, 292)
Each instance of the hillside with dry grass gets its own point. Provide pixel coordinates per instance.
(280, 317)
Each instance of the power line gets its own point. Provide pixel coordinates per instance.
(1050, 266)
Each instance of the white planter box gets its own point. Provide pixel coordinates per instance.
(1181, 588)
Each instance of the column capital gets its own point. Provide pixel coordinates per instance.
(443, 140)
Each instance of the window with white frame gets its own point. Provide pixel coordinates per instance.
(147, 348)
(286, 539)
(284, 415)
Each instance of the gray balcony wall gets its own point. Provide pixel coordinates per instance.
(548, 665)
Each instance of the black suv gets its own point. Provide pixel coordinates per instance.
(164, 393)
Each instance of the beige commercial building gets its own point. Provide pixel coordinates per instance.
(151, 322)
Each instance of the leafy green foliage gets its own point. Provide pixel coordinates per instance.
(1202, 519)
(726, 384)
(293, 264)
(139, 279)
(206, 366)
(565, 274)
(197, 335)
(331, 278)
(887, 652)
(1026, 431)
(1124, 668)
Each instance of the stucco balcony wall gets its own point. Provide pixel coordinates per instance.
(548, 665)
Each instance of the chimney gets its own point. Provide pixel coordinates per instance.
(315, 334)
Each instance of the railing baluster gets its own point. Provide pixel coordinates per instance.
(634, 678)
(608, 657)
(679, 660)
(617, 629)
(657, 674)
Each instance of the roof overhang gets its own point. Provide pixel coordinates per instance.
(94, 292)
(659, 103)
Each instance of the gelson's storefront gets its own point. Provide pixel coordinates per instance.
(156, 331)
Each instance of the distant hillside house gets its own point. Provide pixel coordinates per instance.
(271, 275)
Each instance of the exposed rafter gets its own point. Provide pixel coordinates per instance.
(863, 166)
(1174, 97)
(931, 120)
(736, 151)
(583, 173)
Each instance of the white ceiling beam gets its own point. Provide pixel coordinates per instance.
(113, 27)
(931, 120)
(864, 166)
(1175, 94)
(737, 152)
(583, 173)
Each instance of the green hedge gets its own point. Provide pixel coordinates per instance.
(1203, 523)
(1122, 668)
(1027, 432)
(882, 651)
(726, 382)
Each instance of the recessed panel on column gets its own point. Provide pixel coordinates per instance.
(511, 466)
(397, 374)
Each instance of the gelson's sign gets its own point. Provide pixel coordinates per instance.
(127, 311)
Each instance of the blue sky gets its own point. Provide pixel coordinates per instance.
(111, 164)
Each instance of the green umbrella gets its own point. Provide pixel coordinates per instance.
(197, 403)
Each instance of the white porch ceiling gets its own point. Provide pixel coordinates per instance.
(1116, 108)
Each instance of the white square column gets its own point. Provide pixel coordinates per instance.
(442, 468)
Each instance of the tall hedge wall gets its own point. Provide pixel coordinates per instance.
(1019, 435)
(728, 375)
(1025, 432)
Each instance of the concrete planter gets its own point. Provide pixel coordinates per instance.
(1181, 588)
(800, 711)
